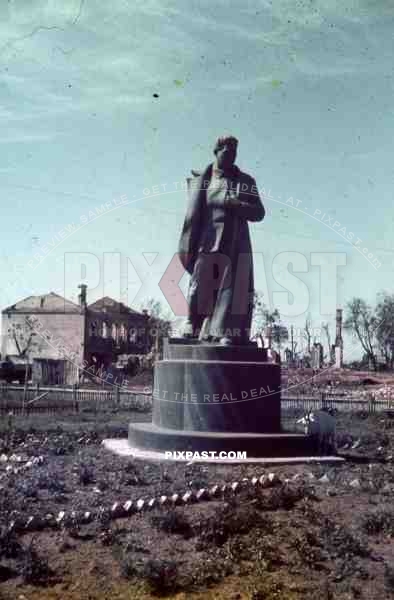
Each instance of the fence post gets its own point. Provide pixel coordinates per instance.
(323, 400)
(370, 401)
(74, 397)
(3, 393)
(117, 396)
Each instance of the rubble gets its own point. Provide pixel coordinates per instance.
(355, 483)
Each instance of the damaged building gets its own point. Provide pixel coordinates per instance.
(61, 339)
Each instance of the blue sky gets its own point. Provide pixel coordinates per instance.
(101, 101)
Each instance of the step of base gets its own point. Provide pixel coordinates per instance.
(123, 448)
(148, 436)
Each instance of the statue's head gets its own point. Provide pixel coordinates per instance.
(225, 151)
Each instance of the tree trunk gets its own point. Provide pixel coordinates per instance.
(25, 388)
(386, 357)
(372, 358)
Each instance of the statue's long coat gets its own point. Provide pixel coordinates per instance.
(215, 233)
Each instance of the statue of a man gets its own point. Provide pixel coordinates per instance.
(216, 251)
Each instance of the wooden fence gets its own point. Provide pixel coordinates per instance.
(340, 403)
(73, 399)
(36, 399)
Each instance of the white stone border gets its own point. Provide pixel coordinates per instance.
(125, 509)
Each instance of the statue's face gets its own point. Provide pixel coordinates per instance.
(225, 156)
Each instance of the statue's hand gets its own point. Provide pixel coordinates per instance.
(232, 200)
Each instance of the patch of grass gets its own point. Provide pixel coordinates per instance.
(283, 497)
(10, 547)
(85, 474)
(28, 489)
(34, 568)
(378, 521)
(160, 575)
(173, 521)
(341, 542)
(51, 482)
(389, 577)
(308, 547)
(231, 520)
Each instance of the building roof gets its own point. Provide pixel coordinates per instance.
(45, 303)
(109, 305)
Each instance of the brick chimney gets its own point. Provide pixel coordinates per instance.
(339, 340)
(82, 296)
(338, 337)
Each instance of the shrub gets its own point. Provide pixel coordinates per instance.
(378, 521)
(284, 497)
(35, 569)
(341, 542)
(10, 547)
(229, 521)
(161, 575)
(173, 521)
(51, 482)
(389, 577)
(85, 474)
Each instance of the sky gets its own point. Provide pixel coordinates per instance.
(106, 108)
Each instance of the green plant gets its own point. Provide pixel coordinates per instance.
(378, 521)
(35, 569)
(174, 521)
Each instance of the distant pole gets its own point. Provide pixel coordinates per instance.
(338, 340)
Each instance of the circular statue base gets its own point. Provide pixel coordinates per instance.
(212, 398)
(148, 436)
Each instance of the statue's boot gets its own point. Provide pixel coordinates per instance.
(190, 331)
(204, 335)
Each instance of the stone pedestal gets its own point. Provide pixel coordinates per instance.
(211, 397)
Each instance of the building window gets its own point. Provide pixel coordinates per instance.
(105, 329)
(122, 332)
(115, 331)
(132, 335)
(93, 329)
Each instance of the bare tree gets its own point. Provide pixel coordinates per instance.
(264, 318)
(159, 323)
(308, 333)
(385, 331)
(326, 329)
(22, 338)
(280, 334)
(293, 344)
(362, 320)
(25, 341)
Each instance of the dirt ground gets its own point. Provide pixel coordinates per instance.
(321, 531)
